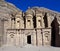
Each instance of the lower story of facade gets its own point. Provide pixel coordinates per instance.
(21, 37)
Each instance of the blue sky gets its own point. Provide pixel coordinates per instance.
(24, 4)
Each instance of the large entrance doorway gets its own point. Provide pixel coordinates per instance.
(29, 39)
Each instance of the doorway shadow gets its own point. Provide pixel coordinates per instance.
(55, 33)
(29, 39)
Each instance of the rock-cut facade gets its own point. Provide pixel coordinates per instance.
(38, 26)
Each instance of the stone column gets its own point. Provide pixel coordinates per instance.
(42, 21)
(17, 38)
(1, 32)
(49, 20)
(34, 37)
(12, 24)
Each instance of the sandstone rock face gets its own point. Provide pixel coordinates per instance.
(37, 26)
(6, 12)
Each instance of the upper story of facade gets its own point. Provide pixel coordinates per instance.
(33, 18)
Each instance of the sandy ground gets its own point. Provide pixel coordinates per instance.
(29, 48)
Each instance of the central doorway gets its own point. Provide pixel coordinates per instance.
(29, 39)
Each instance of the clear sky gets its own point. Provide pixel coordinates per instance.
(24, 4)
